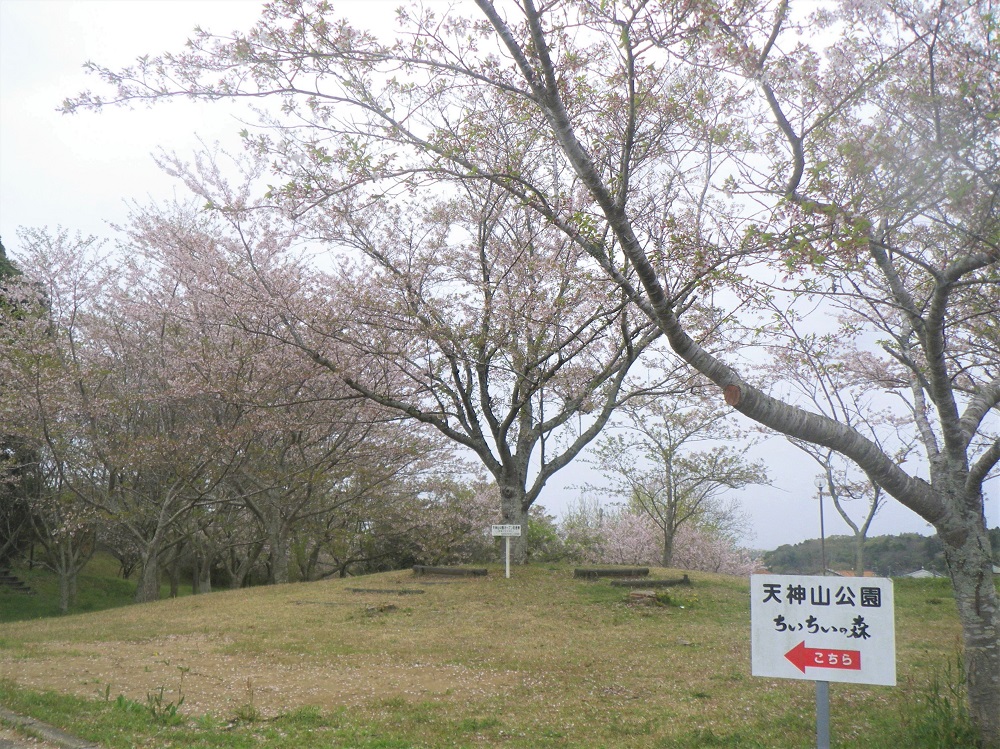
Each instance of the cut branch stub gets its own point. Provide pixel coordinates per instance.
(732, 394)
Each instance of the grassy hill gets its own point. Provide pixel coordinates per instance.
(393, 660)
(99, 587)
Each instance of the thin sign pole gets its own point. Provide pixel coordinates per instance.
(506, 531)
(822, 687)
(822, 715)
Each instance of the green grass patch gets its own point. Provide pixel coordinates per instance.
(124, 724)
(98, 588)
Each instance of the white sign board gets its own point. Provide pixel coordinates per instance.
(823, 628)
(506, 530)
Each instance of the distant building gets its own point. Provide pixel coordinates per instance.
(921, 573)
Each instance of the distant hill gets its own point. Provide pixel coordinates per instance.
(886, 556)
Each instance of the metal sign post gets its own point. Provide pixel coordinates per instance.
(822, 687)
(822, 715)
(823, 629)
(507, 532)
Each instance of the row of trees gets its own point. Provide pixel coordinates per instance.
(150, 417)
(888, 556)
(171, 417)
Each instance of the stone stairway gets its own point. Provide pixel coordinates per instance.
(13, 582)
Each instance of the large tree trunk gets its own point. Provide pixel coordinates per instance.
(859, 555)
(667, 521)
(202, 558)
(173, 568)
(515, 513)
(203, 572)
(66, 574)
(311, 563)
(70, 555)
(668, 549)
(65, 592)
(148, 587)
(240, 567)
(280, 552)
(971, 567)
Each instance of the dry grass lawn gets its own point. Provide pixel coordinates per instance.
(541, 654)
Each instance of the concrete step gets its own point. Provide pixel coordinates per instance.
(14, 583)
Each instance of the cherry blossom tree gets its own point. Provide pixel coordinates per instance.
(475, 320)
(618, 535)
(304, 448)
(700, 548)
(462, 314)
(900, 224)
(455, 525)
(842, 491)
(151, 402)
(94, 386)
(654, 467)
(627, 538)
(725, 151)
(67, 531)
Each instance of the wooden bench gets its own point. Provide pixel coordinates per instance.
(685, 580)
(592, 573)
(424, 569)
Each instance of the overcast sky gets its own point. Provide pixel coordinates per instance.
(80, 171)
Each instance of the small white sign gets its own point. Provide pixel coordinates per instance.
(823, 628)
(506, 530)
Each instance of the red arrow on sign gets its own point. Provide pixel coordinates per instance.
(802, 658)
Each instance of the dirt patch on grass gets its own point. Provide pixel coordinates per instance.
(223, 684)
(21, 740)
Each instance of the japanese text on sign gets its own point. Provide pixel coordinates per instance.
(828, 629)
(506, 530)
(820, 595)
